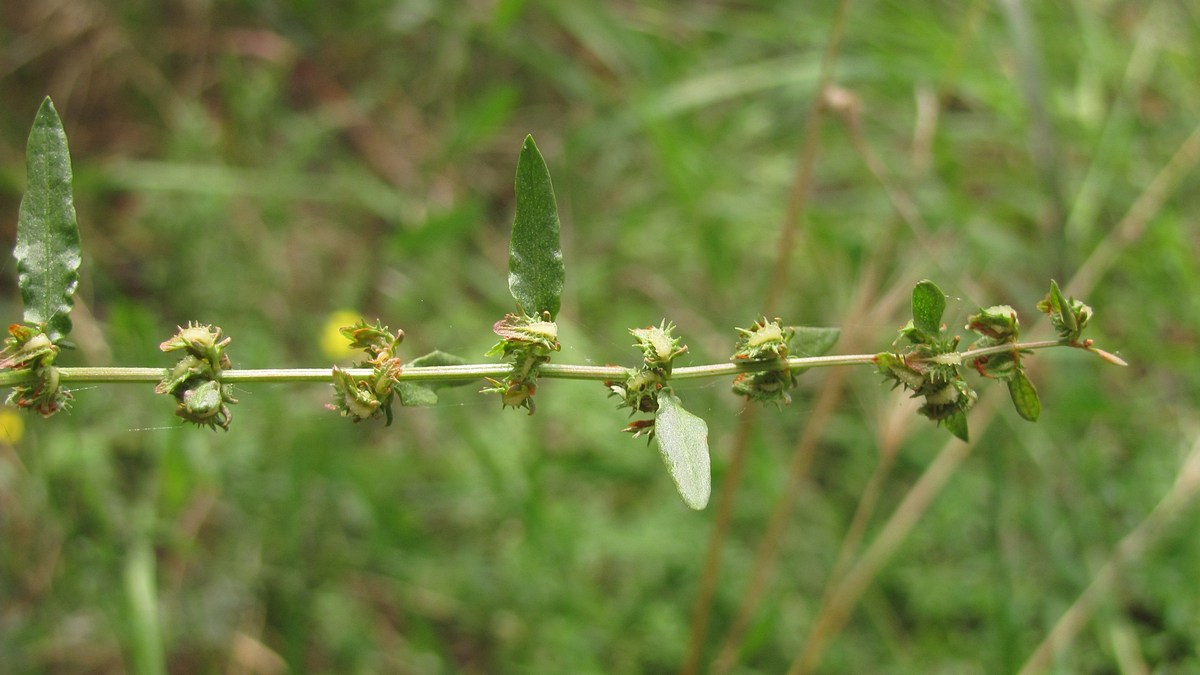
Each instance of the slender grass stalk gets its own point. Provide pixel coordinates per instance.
(141, 593)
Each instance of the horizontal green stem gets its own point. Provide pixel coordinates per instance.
(495, 370)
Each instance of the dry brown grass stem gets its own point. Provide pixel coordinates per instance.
(793, 216)
(842, 599)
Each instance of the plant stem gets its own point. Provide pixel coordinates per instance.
(113, 375)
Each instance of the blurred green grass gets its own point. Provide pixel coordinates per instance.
(260, 165)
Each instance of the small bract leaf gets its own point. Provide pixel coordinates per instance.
(683, 441)
(812, 340)
(928, 305)
(1024, 396)
(437, 358)
(535, 262)
(413, 394)
(440, 358)
(957, 425)
(1063, 309)
(47, 249)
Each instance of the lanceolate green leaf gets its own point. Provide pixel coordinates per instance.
(928, 305)
(683, 441)
(47, 249)
(535, 262)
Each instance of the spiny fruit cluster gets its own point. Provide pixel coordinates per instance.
(195, 380)
(29, 346)
(640, 390)
(931, 366)
(369, 397)
(526, 342)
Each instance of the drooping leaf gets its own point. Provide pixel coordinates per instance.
(535, 262)
(47, 250)
(437, 358)
(956, 424)
(811, 341)
(434, 359)
(1024, 396)
(928, 305)
(683, 441)
(413, 394)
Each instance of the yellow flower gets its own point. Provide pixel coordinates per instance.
(12, 427)
(334, 345)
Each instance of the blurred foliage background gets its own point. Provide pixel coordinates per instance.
(262, 164)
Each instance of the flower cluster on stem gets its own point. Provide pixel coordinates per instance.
(640, 389)
(526, 342)
(361, 398)
(29, 346)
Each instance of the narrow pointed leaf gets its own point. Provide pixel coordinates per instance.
(928, 305)
(47, 249)
(1024, 396)
(683, 441)
(1063, 308)
(535, 262)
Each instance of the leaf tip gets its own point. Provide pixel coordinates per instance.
(1110, 357)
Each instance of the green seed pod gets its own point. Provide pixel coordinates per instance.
(996, 324)
(187, 368)
(206, 404)
(895, 367)
(519, 331)
(201, 341)
(659, 347)
(1024, 396)
(353, 398)
(376, 340)
(763, 340)
(1068, 315)
(27, 345)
